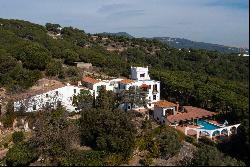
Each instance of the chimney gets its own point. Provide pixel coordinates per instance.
(177, 107)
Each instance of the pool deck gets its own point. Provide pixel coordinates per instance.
(193, 132)
(196, 131)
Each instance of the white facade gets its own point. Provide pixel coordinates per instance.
(140, 77)
(160, 113)
(63, 95)
(110, 85)
(139, 73)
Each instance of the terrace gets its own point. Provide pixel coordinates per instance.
(199, 122)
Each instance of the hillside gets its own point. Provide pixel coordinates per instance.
(185, 43)
(215, 81)
(180, 43)
(119, 34)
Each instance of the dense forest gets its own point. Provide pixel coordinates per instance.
(211, 80)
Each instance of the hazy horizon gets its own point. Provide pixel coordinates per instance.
(224, 22)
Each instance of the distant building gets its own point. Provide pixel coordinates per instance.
(83, 65)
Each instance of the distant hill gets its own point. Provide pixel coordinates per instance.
(120, 34)
(185, 43)
(180, 43)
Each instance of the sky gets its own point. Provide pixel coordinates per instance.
(223, 22)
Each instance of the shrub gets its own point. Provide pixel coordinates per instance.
(9, 116)
(210, 156)
(17, 137)
(105, 130)
(146, 161)
(115, 159)
(190, 139)
(20, 154)
(207, 141)
(82, 158)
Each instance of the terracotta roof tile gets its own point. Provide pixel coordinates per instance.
(126, 81)
(144, 86)
(190, 113)
(164, 104)
(90, 80)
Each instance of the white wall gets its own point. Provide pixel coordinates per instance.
(65, 95)
(137, 71)
(159, 115)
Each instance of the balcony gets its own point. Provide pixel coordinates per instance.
(155, 91)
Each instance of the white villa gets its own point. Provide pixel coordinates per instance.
(191, 120)
(139, 79)
(63, 94)
(57, 95)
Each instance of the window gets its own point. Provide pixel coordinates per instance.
(149, 105)
(99, 88)
(154, 97)
(57, 93)
(149, 86)
(155, 87)
(47, 104)
(47, 95)
(34, 107)
(142, 75)
(74, 90)
(129, 107)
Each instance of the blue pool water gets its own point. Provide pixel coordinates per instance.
(206, 125)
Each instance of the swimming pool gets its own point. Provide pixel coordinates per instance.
(206, 125)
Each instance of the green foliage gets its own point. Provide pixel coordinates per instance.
(161, 141)
(105, 100)
(53, 27)
(9, 116)
(111, 131)
(70, 56)
(133, 96)
(190, 139)
(169, 143)
(18, 137)
(54, 135)
(84, 100)
(54, 68)
(114, 159)
(214, 81)
(19, 79)
(238, 145)
(83, 158)
(21, 154)
(210, 156)
(206, 141)
(147, 161)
